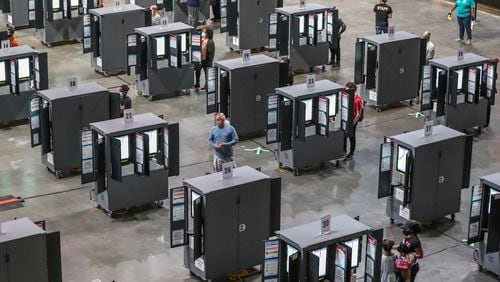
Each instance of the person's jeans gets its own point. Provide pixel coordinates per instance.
(335, 55)
(381, 29)
(204, 67)
(464, 25)
(193, 16)
(352, 141)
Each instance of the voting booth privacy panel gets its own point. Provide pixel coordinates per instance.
(304, 253)
(415, 189)
(162, 58)
(106, 33)
(129, 162)
(148, 3)
(19, 13)
(246, 23)
(302, 34)
(458, 91)
(222, 223)
(484, 227)
(61, 20)
(180, 10)
(23, 71)
(29, 253)
(308, 125)
(388, 66)
(239, 89)
(56, 117)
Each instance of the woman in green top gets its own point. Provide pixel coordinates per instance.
(465, 13)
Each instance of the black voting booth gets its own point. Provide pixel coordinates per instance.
(221, 223)
(18, 13)
(23, 71)
(303, 253)
(57, 115)
(484, 223)
(308, 126)
(302, 34)
(458, 91)
(388, 67)
(129, 163)
(246, 23)
(162, 58)
(60, 20)
(422, 177)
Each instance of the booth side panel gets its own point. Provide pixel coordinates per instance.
(267, 82)
(249, 27)
(424, 183)
(27, 253)
(242, 100)
(467, 115)
(398, 71)
(221, 233)
(318, 149)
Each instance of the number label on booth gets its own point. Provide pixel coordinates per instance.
(302, 3)
(246, 55)
(5, 44)
(72, 83)
(326, 226)
(311, 81)
(428, 125)
(128, 116)
(460, 54)
(391, 31)
(227, 170)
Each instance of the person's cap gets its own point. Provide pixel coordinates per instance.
(124, 87)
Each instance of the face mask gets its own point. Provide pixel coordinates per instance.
(219, 123)
(406, 232)
(203, 34)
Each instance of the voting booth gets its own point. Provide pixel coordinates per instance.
(308, 123)
(388, 67)
(147, 3)
(180, 10)
(246, 23)
(302, 33)
(162, 57)
(422, 176)
(484, 223)
(29, 253)
(222, 220)
(106, 33)
(19, 13)
(458, 91)
(23, 71)
(56, 117)
(326, 250)
(239, 87)
(129, 160)
(59, 21)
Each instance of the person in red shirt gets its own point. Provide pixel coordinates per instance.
(358, 113)
(14, 42)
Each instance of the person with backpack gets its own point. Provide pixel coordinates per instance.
(358, 116)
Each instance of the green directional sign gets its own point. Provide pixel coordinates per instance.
(416, 114)
(257, 150)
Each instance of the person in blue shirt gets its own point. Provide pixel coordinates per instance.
(222, 138)
(465, 14)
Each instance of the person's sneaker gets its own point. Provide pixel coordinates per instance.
(458, 40)
(348, 156)
(469, 41)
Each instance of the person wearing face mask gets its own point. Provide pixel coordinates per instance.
(222, 138)
(411, 249)
(14, 42)
(207, 57)
(125, 101)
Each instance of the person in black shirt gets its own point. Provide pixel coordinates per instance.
(382, 14)
(125, 101)
(410, 246)
(338, 28)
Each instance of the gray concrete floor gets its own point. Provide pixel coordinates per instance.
(134, 248)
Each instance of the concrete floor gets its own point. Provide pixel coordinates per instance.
(135, 248)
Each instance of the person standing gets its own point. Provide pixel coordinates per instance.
(338, 28)
(429, 49)
(207, 56)
(388, 264)
(411, 248)
(465, 14)
(125, 101)
(222, 138)
(382, 14)
(14, 42)
(155, 15)
(358, 115)
(193, 10)
(100, 4)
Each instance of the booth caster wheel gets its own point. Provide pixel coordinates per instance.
(110, 214)
(105, 73)
(159, 204)
(323, 68)
(453, 217)
(296, 172)
(49, 45)
(392, 220)
(337, 163)
(231, 49)
(379, 109)
(58, 175)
